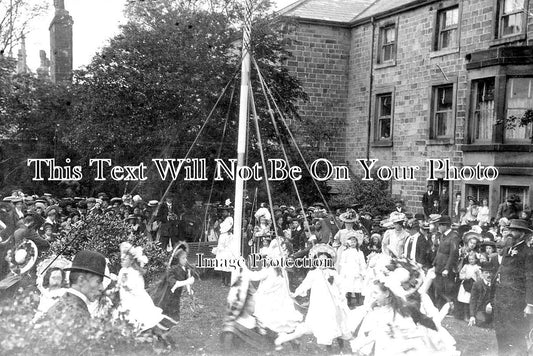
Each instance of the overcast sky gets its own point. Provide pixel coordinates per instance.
(95, 21)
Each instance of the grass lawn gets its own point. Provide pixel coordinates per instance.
(198, 332)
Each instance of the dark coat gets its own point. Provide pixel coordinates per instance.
(507, 211)
(427, 201)
(513, 291)
(447, 253)
(422, 252)
(162, 293)
(299, 239)
(480, 296)
(169, 219)
(494, 262)
(32, 235)
(68, 314)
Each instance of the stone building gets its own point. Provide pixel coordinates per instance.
(61, 44)
(405, 81)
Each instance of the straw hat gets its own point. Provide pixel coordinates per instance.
(322, 248)
(397, 217)
(23, 257)
(471, 235)
(349, 217)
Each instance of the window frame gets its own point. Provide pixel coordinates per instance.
(524, 200)
(433, 112)
(376, 139)
(497, 28)
(380, 63)
(504, 94)
(473, 101)
(378, 117)
(437, 45)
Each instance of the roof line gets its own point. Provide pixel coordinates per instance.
(397, 10)
(290, 7)
(306, 20)
(362, 12)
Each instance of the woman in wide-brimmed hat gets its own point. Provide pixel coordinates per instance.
(394, 239)
(349, 218)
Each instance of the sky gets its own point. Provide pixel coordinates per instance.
(95, 21)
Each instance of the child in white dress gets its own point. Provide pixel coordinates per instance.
(274, 307)
(135, 301)
(327, 316)
(351, 268)
(468, 275)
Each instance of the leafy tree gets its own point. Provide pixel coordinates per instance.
(31, 114)
(148, 93)
(105, 234)
(372, 195)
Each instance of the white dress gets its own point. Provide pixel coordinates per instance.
(226, 248)
(393, 242)
(467, 272)
(274, 308)
(483, 215)
(383, 332)
(135, 301)
(351, 269)
(343, 235)
(327, 316)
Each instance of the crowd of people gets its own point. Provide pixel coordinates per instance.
(480, 264)
(405, 271)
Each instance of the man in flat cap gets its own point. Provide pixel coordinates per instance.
(513, 294)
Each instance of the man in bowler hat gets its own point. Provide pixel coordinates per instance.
(513, 295)
(86, 277)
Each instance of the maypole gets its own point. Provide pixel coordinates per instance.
(243, 117)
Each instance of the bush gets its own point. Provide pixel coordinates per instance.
(101, 336)
(108, 333)
(374, 196)
(104, 234)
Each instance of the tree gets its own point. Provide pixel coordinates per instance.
(373, 196)
(15, 15)
(31, 112)
(148, 93)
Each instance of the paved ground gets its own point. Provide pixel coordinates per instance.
(198, 333)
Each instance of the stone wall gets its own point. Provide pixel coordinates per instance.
(418, 67)
(320, 61)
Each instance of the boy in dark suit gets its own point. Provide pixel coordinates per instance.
(481, 298)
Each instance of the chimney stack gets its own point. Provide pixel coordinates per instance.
(61, 44)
